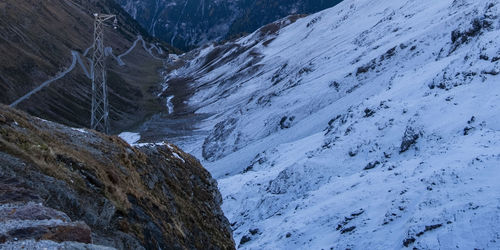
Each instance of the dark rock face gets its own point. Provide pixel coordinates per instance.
(189, 23)
(371, 165)
(410, 137)
(286, 122)
(96, 188)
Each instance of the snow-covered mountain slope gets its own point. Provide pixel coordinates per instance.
(371, 125)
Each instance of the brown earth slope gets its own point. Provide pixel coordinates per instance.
(131, 198)
(36, 39)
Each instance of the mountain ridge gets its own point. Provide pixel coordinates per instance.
(188, 24)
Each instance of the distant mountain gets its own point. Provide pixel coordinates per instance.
(189, 23)
(36, 43)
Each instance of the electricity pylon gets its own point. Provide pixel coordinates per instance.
(100, 106)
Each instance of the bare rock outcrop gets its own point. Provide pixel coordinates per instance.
(62, 187)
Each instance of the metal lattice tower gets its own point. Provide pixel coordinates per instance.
(100, 107)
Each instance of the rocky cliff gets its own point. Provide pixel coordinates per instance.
(66, 187)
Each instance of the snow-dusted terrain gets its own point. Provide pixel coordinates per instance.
(371, 125)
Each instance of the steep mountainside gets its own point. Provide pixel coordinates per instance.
(370, 125)
(189, 23)
(36, 43)
(63, 185)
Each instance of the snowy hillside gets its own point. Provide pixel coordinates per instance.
(371, 125)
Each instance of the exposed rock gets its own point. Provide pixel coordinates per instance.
(253, 231)
(346, 230)
(286, 122)
(371, 165)
(459, 37)
(408, 241)
(46, 244)
(429, 228)
(52, 175)
(369, 112)
(410, 137)
(245, 239)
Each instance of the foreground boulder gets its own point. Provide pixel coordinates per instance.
(64, 187)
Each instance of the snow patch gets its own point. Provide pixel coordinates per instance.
(130, 137)
(170, 105)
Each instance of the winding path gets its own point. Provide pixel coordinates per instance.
(46, 83)
(78, 59)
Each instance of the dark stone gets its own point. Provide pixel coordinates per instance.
(484, 57)
(429, 228)
(432, 227)
(353, 153)
(288, 235)
(371, 165)
(390, 53)
(346, 230)
(28, 233)
(254, 231)
(249, 168)
(245, 239)
(410, 137)
(78, 232)
(363, 69)
(472, 120)
(335, 85)
(360, 212)
(32, 211)
(467, 130)
(286, 122)
(13, 191)
(408, 241)
(490, 72)
(369, 112)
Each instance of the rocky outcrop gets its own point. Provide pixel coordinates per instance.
(62, 187)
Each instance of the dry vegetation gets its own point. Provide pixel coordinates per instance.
(157, 198)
